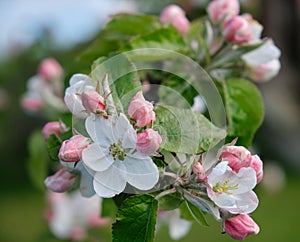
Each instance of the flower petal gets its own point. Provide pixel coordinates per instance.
(124, 131)
(245, 203)
(110, 182)
(86, 182)
(97, 158)
(141, 173)
(78, 77)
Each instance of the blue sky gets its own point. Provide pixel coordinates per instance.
(70, 21)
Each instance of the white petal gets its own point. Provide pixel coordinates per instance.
(104, 130)
(246, 180)
(78, 77)
(263, 54)
(86, 182)
(110, 182)
(178, 227)
(245, 203)
(124, 131)
(90, 127)
(97, 158)
(217, 173)
(141, 173)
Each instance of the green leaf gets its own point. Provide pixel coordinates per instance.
(136, 220)
(54, 143)
(108, 208)
(244, 109)
(37, 164)
(176, 88)
(118, 32)
(185, 131)
(166, 38)
(123, 81)
(170, 201)
(191, 213)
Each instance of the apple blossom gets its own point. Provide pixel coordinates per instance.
(114, 158)
(148, 141)
(141, 110)
(31, 103)
(264, 72)
(240, 226)
(50, 69)
(93, 101)
(256, 28)
(238, 157)
(232, 191)
(72, 215)
(237, 30)
(71, 149)
(61, 181)
(176, 16)
(263, 63)
(79, 83)
(178, 227)
(219, 10)
(56, 128)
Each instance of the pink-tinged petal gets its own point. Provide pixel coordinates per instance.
(110, 182)
(240, 226)
(141, 173)
(245, 203)
(97, 158)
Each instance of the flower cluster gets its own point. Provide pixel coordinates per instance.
(116, 152)
(110, 140)
(45, 88)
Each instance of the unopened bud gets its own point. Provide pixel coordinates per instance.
(56, 128)
(93, 101)
(71, 149)
(237, 30)
(61, 181)
(176, 16)
(199, 171)
(50, 69)
(219, 10)
(148, 141)
(141, 110)
(240, 226)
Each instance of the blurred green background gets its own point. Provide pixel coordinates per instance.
(22, 206)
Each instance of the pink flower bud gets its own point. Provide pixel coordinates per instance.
(219, 10)
(237, 30)
(176, 16)
(53, 128)
(50, 69)
(148, 141)
(264, 72)
(93, 101)
(239, 156)
(61, 181)
(240, 226)
(199, 170)
(141, 110)
(71, 149)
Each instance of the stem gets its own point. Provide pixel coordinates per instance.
(164, 193)
(170, 174)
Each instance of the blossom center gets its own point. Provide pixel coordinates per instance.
(117, 151)
(224, 187)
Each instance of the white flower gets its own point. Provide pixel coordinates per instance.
(71, 214)
(178, 227)
(114, 158)
(232, 191)
(79, 83)
(263, 54)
